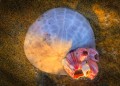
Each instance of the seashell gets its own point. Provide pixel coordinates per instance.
(53, 36)
(83, 61)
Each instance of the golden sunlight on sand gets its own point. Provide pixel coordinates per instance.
(106, 17)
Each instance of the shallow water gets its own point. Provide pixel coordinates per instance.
(16, 17)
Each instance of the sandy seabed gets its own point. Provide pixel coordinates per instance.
(17, 15)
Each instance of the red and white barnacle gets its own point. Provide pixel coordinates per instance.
(82, 65)
(58, 33)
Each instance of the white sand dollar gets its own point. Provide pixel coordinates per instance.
(53, 35)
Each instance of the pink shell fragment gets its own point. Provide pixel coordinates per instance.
(82, 63)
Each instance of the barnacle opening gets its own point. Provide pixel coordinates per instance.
(97, 57)
(78, 73)
(85, 53)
